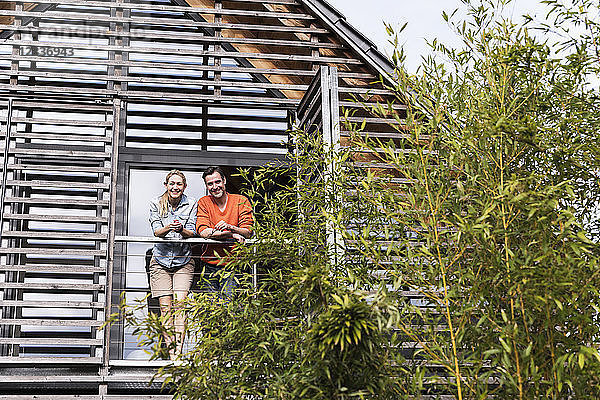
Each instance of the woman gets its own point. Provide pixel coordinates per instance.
(172, 216)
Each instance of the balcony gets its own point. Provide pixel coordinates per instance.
(52, 317)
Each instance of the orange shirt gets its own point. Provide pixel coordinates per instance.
(238, 212)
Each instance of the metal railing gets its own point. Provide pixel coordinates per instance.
(137, 286)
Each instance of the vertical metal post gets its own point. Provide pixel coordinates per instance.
(5, 166)
(5, 349)
(218, 49)
(330, 113)
(255, 274)
(111, 225)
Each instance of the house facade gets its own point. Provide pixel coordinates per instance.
(100, 97)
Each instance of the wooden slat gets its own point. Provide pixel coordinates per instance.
(69, 137)
(138, 377)
(73, 202)
(144, 95)
(396, 151)
(61, 184)
(51, 304)
(283, 119)
(66, 106)
(374, 165)
(288, 2)
(388, 135)
(182, 38)
(60, 153)
(187, 52)
(51, 286)
(372, 120)
(137, 397)
(51, 167)
(364, 90)
(49, 378)
(166, 81)
(50, 322)
(56, 235)
(59, 218)
(149, 22)
(51, 361)
(193, 128)
(52, 252)
(53, 268)
(213, 142)
(174, 64)
(62, 122)
(88, 397)
(367, 105)
(158, 7)
(142, 6)
(51, 341)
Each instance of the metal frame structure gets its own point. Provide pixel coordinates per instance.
(95, 88)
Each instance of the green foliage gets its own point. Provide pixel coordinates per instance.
(501, 169)
(306, 331)
(470, 268)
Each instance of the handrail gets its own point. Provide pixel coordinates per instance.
(192, 240)
(155, 239)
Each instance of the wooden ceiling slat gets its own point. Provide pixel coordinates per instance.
(188, 66)
(184, 38)
(157, 7)
(98, 19)
(186, 52)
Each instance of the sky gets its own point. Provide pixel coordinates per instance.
(424, 19)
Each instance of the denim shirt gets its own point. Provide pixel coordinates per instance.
(173, 255)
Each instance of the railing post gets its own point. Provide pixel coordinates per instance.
(111, 225)
(5, 165)
(318, 114)
(330, 113)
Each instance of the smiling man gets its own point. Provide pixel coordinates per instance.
(221, 216)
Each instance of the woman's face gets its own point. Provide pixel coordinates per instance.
(175, 187)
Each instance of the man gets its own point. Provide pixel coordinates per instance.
(221, 216)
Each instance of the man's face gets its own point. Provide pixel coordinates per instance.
(215, 184)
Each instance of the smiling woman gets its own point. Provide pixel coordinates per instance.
(172, 215)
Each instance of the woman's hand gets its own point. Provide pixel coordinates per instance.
(175, 226)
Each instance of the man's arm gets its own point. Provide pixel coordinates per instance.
(225, 227)
(245, 221)
(213, 233)
(204, 228)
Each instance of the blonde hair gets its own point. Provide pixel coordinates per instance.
(163, 203)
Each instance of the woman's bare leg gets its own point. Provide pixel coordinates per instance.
(179, 320)
(166, 308)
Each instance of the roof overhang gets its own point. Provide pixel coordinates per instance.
(365, 48)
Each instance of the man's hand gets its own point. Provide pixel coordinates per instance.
(223, 230)
(238, 237)
(224, 226)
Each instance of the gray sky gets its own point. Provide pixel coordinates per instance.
(424, 19)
